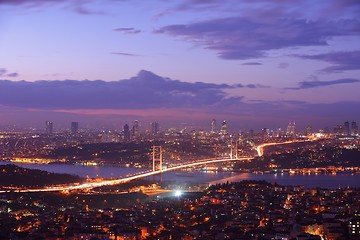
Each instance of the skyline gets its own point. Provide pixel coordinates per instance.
(256, 65)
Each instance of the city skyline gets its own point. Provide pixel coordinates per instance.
(255, 65)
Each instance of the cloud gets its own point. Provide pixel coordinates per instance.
(12, 74)
(29, 2)
(246, 38)
(252, 63)
(199, 5)
(144, 91)
(283, 65)
(249, 86)
(128, 30)
(149, 96)
(5, 73)
(78, 6)
(343, 61)
(2, 71)
(336, 8)
(315, 84)
(126, 54)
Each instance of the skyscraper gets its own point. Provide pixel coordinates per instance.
(136, 129)
(223, 127)
(154, 128)
(354, 129)
(291, 129)
(308, 130)
(49, 127)
(347, 128)
(339, 130)
(265, 133)
(74, 127)
(213, 126)
(126, 133)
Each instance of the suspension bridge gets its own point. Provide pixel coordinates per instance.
(157, 159)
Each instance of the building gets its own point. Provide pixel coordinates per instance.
(339, 130)
(354, 228)
(265, 132)
(49, 127)
(126, 133)
(291, 129)
(136, 129)
(213, 126)
(223, 128)
(346, 129)
(154, 128)
(354, 129)
(308, 130)
(74, 127)
(110, 136)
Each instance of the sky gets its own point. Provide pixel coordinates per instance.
(256, 64)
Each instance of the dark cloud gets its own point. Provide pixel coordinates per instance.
(126, 54)
(12, 74)
(249, 86)
(20, 2)
(315, 84)
(5, 73)
(337, 8)
(252, 63)
(32, 3)
(343, 61)
(78, 6)
(144, 91)
(2, 71)
(246, 38)
(199, 5)
(128, 30)
(148, 96)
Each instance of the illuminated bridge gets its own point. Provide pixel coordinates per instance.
(157, 157)
(105, 182)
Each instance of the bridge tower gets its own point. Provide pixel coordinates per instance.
(157, 157)
(234, 150)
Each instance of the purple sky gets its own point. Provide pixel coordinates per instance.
(254, 63)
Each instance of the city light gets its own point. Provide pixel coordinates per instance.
(178, 193)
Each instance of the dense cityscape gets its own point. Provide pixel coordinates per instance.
(150, 208)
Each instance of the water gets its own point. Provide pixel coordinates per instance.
(309, 181)
(321, 180)
(81, 170)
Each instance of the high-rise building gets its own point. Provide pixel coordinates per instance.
(339, 130)
(265, 132)
(223, 127)
(213, 126)
(49, 127)
(347, 128)
(126, 133)
(74, 127)
(354, 129)
(278, 132)
(308, 130)
(154, 128)
(136, 129)
(291, 129)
